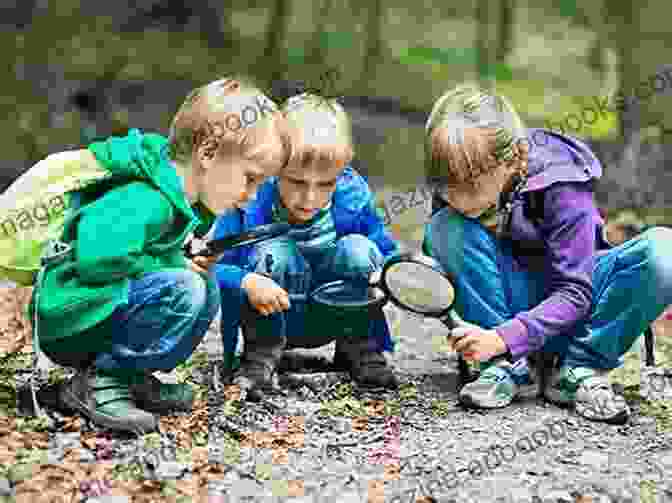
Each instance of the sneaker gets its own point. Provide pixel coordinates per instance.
(497, 387)
(589, 392)
(155, 396)
(106, 400)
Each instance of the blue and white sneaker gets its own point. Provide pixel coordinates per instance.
(589, 392)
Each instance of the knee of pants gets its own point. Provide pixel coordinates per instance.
(190, 293)
(659, 248)
(281, 257)
(357, 255)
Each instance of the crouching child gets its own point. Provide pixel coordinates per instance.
(543, 280)
(126, 302)
(337, 234)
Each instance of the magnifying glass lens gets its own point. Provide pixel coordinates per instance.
(347, 294)
(419, 288)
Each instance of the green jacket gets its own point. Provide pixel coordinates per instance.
(132, 224)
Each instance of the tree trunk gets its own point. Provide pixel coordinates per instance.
(506, 23)
(624, 19)
(374, 47)
(492, 39)
(215, 24)
(277, 31)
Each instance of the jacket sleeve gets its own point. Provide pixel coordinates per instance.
(112, 232)
(569, 231)
(372, 225)
(230, 268)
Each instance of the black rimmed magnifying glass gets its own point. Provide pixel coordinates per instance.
(253, 236)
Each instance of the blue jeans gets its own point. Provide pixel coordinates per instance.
(632, 286)
(167, 316)
(352, 258)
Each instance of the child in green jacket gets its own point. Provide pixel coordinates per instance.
(126, 302)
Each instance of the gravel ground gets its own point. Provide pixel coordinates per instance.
(576, 458)
(404, 446)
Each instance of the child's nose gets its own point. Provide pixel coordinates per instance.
(311, 196)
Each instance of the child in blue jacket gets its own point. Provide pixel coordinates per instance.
(337, 234)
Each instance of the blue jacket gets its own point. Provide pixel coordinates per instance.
(353, 210)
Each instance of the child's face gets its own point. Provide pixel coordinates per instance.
(306, 189)
(231, 179)
(473, 200)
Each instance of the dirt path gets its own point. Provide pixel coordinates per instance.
(436, 435)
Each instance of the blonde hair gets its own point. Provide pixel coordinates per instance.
(317, 129)
(471, 132)
(223, 113)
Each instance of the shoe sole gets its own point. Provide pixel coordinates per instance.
(110, 422)
(524, 392)
(163, 409)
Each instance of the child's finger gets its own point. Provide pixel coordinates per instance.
(261, 308)
(205, 262)
(196, 268)
(465, 343)
(274, 305)
(456, 334)
(283, 300)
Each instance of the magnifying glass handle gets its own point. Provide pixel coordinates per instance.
(449, 321)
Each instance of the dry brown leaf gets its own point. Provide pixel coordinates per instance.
(376, 491)
(360, 423)
(375, 407)
(15, 328)
(231, 392)
(391, 471)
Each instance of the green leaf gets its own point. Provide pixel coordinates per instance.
(336, 39)
(568, 8)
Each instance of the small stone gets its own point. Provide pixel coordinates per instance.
(594, 459)
(5, 487)
(86, 456)
(171, 470)
(55, 456)
(557, 496)
(67, 440)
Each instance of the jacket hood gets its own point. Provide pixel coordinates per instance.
(140, 156)
(554, 157)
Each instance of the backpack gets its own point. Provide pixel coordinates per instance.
(34, 208)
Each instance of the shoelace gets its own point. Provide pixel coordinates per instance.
(493, 376)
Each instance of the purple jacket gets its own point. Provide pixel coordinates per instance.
(565, 239)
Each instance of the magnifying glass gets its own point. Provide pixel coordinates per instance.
(250, 237)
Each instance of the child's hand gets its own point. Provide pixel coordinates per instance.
(202, 265)
(265, 295)
(476, 343)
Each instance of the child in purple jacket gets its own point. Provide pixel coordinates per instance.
(515, 222)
